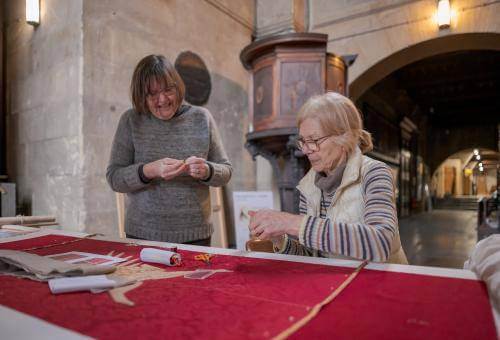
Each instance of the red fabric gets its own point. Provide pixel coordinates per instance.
(259, 299)
(388, 305)
(36, 242)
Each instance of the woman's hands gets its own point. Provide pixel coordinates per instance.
(197, 168)
(267, 224)
(168, 168)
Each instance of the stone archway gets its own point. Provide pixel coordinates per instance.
(428, 48)
(447, 140)
(394, 90)
(459, 174)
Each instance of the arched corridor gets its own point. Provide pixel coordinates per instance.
(429, 117)
(469, 173)
(432, 109)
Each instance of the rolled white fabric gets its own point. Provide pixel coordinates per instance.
(79, 283)
(165, 257)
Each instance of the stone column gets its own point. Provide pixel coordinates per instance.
(281, 16)
(3, 169)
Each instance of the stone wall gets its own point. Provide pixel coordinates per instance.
(3, 170)
(68, 84)
(377, 29)
(117, 35)
(44, 109)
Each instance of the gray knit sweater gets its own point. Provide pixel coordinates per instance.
(177, 210)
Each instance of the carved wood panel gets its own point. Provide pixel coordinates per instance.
(299, 81)
(262, 96)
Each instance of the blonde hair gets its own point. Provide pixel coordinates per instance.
(339, 117)
(154, 68)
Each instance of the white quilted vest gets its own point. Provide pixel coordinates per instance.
(348, 202)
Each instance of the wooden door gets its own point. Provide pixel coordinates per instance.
(449, 180)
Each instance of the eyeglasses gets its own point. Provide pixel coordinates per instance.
(312, 144)
(169, 91)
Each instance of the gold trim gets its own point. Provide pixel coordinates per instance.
(315, 310)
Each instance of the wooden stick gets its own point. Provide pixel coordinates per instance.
(38, 225)
(120, 206)
(62, 243)
(26, 219)
(315, 310)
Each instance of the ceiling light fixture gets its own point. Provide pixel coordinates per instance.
(33, 12)
(444, 14)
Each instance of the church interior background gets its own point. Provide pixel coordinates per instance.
(428, 94)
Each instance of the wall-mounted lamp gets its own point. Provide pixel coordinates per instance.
(444, 14)
(33, 12)
(476, 152)
(478, 157)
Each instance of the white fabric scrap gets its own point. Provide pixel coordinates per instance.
(485, 262)
(94, 283)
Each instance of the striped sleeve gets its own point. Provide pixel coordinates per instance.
(302, 205)
(292, 246)
(370, 240)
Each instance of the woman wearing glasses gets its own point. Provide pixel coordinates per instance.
(165, 155)
(347, 204)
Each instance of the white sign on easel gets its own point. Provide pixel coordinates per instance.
(244, 201)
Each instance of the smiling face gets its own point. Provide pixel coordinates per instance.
(162, 101)
(329, 154)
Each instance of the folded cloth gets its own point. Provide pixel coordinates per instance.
(94, 283)
(40, 268)
(485, 262)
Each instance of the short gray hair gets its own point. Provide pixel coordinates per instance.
(339, 117)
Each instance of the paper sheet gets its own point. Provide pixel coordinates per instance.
(76, 257)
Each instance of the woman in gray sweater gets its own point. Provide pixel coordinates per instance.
(165, 155)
